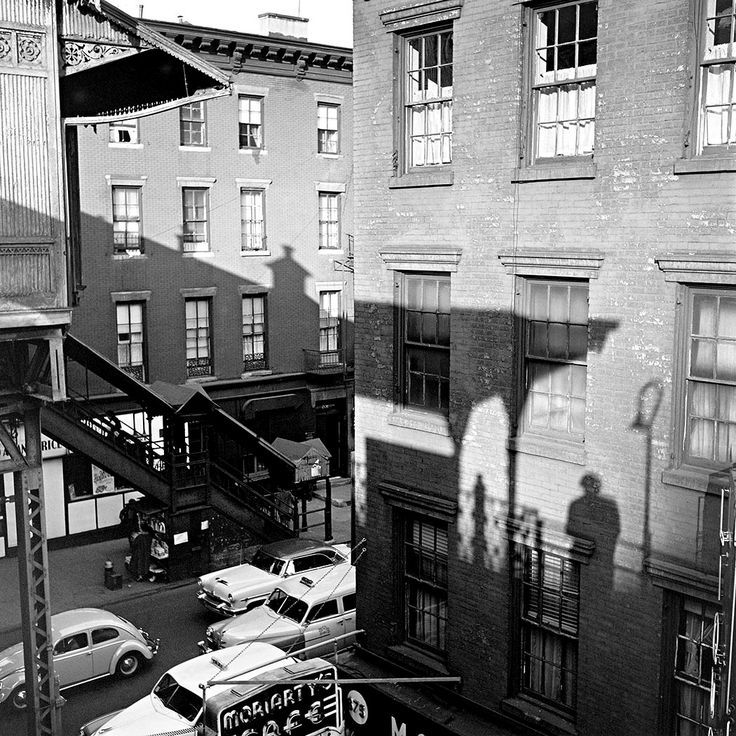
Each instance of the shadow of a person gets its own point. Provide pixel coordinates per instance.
(595, 517)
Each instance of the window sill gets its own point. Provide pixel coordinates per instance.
(432, 423)
(415, 657)
(527, 711)
(558, 171)
(198, 254)
(697, 479)
(256, 374)
(130, 257)
(252, 151)
(332, 251)
(255, 252)
(441, 178)
(201, 379)
(566, 451)
(204, 149)
(705, 164)
(320, 154)
(124, 145)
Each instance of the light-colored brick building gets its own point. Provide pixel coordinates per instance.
(546, 353)
(216, 248)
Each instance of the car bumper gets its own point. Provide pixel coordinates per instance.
(219, 607)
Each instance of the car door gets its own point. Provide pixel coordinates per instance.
(105, 642)
(73, 659)
(323, 622)
(347, 622)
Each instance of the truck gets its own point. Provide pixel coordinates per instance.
(252, 689)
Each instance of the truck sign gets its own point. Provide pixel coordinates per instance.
(286, 709)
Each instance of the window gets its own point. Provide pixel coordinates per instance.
(312, 562)
(252, 228)
(254, 333)
(99, 636)
(131, 338)
(564, 79)
(323, 610)
(425, 582)
(327, 128)
(710, 373)
(693, 670)
(250, 121)
(425, 335)
(126, 220)
(195, 212)
(199, 337)
(555, 357)
(329, 328)
(348, 602)
(427, 97)
(123, 131)
(71, 644)
(192, 124)
(550, 603)
(329, 220)
(718, 75)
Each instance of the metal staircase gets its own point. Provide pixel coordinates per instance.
(177, 472)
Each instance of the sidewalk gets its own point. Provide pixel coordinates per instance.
(77, 574)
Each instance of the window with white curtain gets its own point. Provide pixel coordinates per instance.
(250, 121)
(564, 79)
(550, 604)
(123, 131)
(330, 340)
(254, 332)
(193, 124)
(710, 430)
(126, 220)
(329, 220)
(555, 356)
(428, 85)
(198, 337)
(327, 128)
(252, 227)
(718, 74)
(131, 338)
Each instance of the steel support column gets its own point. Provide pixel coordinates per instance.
(43, 703)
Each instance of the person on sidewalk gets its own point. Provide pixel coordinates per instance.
(129, 521)
(140, 554)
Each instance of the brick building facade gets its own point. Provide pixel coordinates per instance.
(216, 248)
(545, 325)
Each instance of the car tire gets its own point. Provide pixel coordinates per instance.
(129, 664)
(18, 698)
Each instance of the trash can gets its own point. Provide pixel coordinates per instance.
(109, 572)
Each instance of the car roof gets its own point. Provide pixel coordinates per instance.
(81, 618)
(287, 548)
(227, 663)
(339, 580)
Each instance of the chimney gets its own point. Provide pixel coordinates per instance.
(140, 11)
(287, 26)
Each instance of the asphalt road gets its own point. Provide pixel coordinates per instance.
(173, 615)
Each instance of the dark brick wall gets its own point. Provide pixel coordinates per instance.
(634, 210)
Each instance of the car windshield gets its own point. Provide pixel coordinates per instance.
(286, 605)
(268, 563)
(177, 698)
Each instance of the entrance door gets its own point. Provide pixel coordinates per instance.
(331, 430)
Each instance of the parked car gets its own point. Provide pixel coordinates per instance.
(237, 589)
(276, 702)
(89, 643)
(302, 612)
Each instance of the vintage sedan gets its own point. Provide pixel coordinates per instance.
(89, 643)
(237, 589)
(316, 612)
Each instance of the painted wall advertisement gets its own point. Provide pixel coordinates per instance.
(369, 712)
(102, 481)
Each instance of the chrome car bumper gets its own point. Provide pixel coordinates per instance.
(220, 608)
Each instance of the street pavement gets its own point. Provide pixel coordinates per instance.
(77, 574)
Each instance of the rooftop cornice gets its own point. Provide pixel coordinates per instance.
(233, 50)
